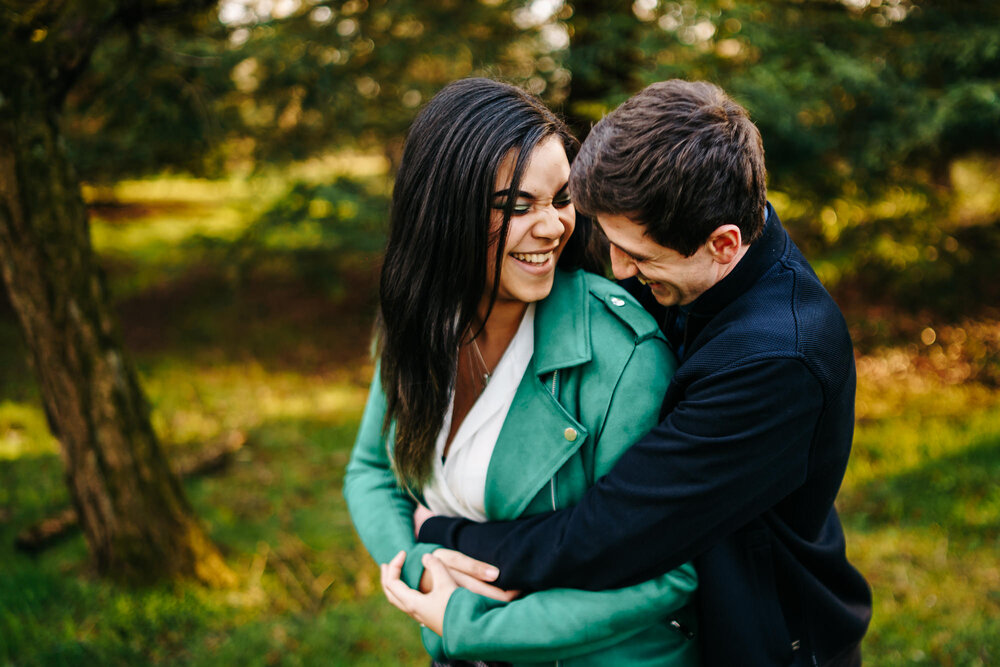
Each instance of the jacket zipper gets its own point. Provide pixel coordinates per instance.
(552, 482)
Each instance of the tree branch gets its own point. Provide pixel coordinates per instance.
(212, 459)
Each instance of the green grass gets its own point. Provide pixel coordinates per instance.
(285, 361)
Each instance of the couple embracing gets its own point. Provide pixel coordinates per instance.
(556, 468)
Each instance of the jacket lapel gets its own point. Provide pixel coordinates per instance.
(562, 334)
(539, 435)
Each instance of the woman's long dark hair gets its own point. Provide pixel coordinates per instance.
(434, 272)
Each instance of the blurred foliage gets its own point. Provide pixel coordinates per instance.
(274, 82)
(873, 112)
(311, 228)
(850, 95)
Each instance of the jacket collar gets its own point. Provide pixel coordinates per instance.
(760, 257)
(562, 337)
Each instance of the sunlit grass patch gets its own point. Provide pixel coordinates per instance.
(24, 431)
(936, 603)
(921, 508)
(925, 428)
(160, 233)
(199, 401)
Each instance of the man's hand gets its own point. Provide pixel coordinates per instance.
(427, 609)
(468, 573)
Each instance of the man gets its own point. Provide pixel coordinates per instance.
(742, 472)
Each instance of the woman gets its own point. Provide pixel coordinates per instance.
(506, 386)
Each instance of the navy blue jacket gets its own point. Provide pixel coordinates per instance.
(740, 476)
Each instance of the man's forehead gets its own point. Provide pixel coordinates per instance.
(627, 234)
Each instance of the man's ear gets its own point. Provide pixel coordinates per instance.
(724, 243)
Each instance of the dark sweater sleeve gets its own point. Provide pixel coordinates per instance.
(734, 446)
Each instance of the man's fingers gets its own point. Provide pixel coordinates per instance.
(482, 588)
(456, 560)
(473, 574)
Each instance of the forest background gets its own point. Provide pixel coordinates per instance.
(193, 199)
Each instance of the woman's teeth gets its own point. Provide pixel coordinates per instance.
(532, 257)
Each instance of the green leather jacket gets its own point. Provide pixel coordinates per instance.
(593, 387)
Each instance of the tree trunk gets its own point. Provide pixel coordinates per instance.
(133, 512)
(604, 57)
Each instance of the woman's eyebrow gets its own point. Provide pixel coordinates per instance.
(520, 193)
(528, 195)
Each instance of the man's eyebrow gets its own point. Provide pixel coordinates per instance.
(636, 256)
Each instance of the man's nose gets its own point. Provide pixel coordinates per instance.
(621, 264)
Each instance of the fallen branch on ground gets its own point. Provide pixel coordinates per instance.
(211, 459)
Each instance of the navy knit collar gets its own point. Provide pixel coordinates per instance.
(760, 257)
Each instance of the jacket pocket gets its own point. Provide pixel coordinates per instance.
(770, 619)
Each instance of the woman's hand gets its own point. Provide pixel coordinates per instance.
(425, 608)
(420, 514)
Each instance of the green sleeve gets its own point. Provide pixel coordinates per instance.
(562, 623)
(559, 623)
(381, 511)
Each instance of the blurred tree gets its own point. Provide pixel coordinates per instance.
(274, 82)
(604, 58)
(133, 512)
(851, 95)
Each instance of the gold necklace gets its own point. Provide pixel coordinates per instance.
(484, 369)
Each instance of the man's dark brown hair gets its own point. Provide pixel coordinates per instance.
(680, 158)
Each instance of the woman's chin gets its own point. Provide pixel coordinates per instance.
(528, 293)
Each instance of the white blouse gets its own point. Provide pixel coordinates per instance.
(458, 485)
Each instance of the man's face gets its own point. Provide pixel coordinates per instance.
(673, 278)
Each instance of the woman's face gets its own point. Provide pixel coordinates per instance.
(541, 224)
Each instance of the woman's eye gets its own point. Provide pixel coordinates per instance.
(562, 201)
(520, 208)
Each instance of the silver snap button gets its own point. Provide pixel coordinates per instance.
(615, 301)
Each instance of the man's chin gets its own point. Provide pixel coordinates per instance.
(663, 294)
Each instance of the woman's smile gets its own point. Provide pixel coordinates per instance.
(535, 261)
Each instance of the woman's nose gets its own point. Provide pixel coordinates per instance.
(549, 224)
